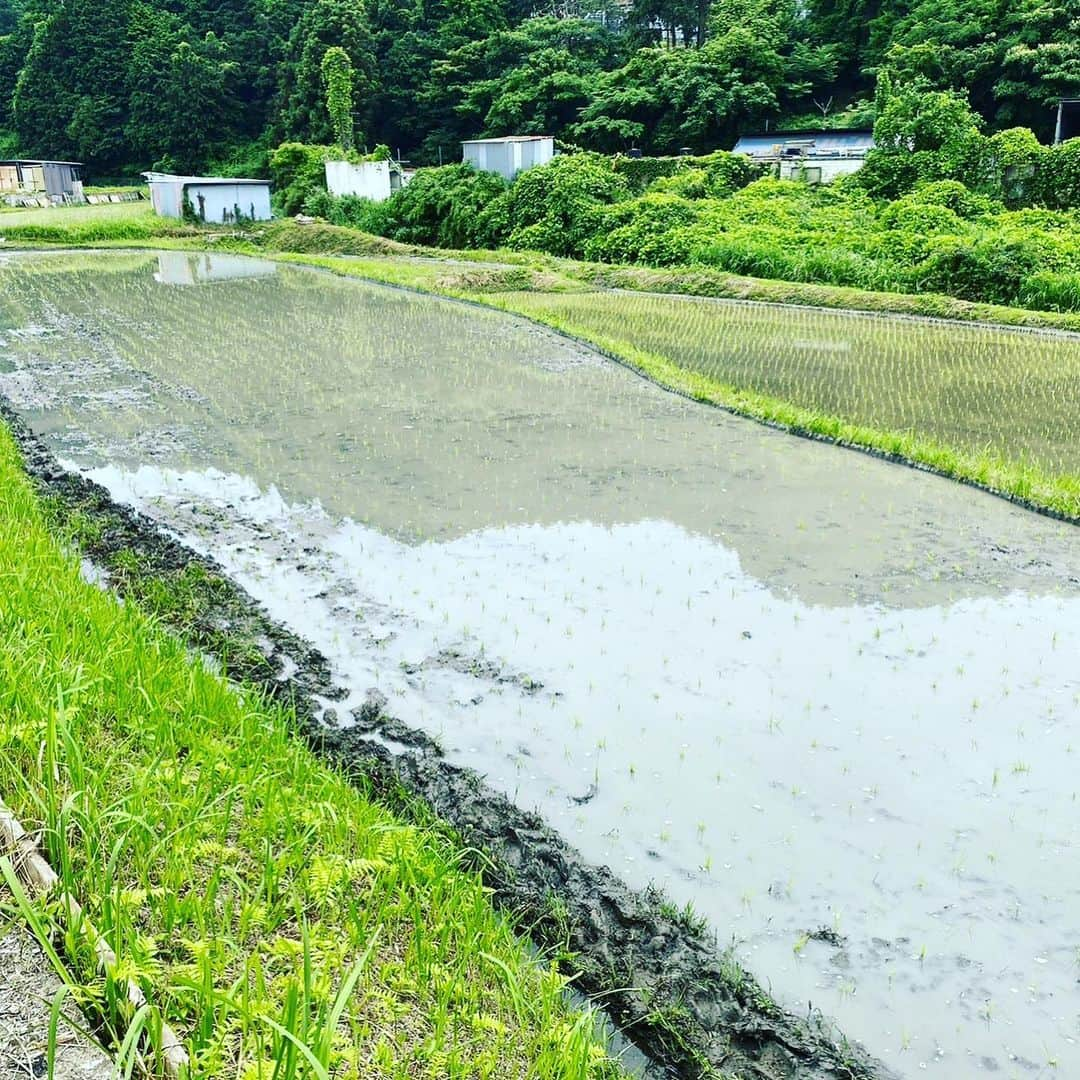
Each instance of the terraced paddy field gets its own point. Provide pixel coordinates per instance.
(828, 702)
(994, 392)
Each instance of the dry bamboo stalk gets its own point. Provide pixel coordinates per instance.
(32, 867)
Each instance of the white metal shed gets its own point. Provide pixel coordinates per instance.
(509, 156)
(213, 199)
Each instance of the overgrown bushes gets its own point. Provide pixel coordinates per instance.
(941, 235)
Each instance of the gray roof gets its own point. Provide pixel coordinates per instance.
(817, 142)
(508, 139)
(39, 161)
(170, 178)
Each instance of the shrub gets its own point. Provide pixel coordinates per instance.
(1016, 156)
(981, 269)
(557, 207)
(1058, 179)
(298, 171)
(1046, 291)
(443, 207)
(688, 184)
(725, 172)
(910, 215)
(350, 211)
(644, 230)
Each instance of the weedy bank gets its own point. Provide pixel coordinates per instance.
(282, 922)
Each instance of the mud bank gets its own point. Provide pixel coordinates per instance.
(662, 978)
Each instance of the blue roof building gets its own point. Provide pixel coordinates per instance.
(814, 156)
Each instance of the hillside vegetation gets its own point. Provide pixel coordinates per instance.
(939, 207)
(188, 84)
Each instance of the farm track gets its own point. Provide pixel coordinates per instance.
(663, 979)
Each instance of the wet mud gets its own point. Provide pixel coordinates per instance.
(660, 975)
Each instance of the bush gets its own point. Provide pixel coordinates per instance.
(688, 184)
(644, 230)
(558, 207)
(951, 195)
(1016, 155)
(1058, 179)
(297, 171)
(910, 215)
(443, 207)
(985, 269)
(725, 172)
(350, 211)
(1046, 291)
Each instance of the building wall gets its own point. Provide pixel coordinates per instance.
(216, 203)
(369, 180)
(167, 197)
(820, 169)
(508, 157)
(59, 179)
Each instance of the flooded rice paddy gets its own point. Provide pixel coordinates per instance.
(832, 703)
(984, 391)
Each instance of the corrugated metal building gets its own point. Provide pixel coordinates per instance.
(814, 156)
(509, 156)
(60, 181)
(213, 199)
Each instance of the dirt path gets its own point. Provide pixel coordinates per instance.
(27, 988)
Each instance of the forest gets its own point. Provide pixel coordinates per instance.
(185, 85)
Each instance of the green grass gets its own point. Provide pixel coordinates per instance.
(74, 225)
(285, 924)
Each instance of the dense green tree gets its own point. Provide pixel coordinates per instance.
(126, 83)
(1041, 62)
(181, 106)
(337, 76)
(922, 135)
(748, 69)
(532, 79)
(70, 96)
(324, 25)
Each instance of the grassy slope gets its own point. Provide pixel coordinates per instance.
(238, 878)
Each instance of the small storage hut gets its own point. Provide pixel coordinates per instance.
(58, 181)
(213, 199)
(509, 156)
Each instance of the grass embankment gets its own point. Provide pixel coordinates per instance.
(108, 223)
(242, 883)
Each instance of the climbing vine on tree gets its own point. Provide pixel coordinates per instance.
(337, 76)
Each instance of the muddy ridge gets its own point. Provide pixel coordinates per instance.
(662, 976)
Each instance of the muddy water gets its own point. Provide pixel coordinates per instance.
(830, 702)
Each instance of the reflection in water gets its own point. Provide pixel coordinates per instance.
(184, 268)
(814, 691)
